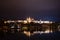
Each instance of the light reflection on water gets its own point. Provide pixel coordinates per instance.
(28, 33)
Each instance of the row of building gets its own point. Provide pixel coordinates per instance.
(30, 25)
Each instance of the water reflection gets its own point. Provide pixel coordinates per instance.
(30, 31)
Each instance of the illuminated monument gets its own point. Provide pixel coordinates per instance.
(37, 26)
(28, 20)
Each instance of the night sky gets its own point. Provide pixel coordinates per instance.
(37, 9)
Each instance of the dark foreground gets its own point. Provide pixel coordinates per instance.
(21, 36)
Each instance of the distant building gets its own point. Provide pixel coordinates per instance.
(28, 20)
(33, 25)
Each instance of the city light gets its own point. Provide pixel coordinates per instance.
(28, 20)
(25, 21)
(20, 21)
(46, 21)
(47, 31)
(41, 27)
(41, 32)
(27, 33)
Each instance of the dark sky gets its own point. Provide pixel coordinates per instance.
(38, 9)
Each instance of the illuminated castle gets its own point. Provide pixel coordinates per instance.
(28, 20)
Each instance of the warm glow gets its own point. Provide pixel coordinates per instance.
(46, 21)
(29, 19)
(8, 21)
(24, 28)
(5, 22)
(36, 32)
(27, 33)
(42, 21)
(12, 27)
(20, 21)
(41, 32)
(47, 31)
(25, 21)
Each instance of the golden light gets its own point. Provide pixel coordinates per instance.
(29, 19)
(8, 21)
(46, 21)
(27, 33)
(48, 31)
(5, 22)
(25, 21)
(20, 21)
(24, 28)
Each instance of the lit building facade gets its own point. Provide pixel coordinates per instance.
(32, 25)
(28, 20)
